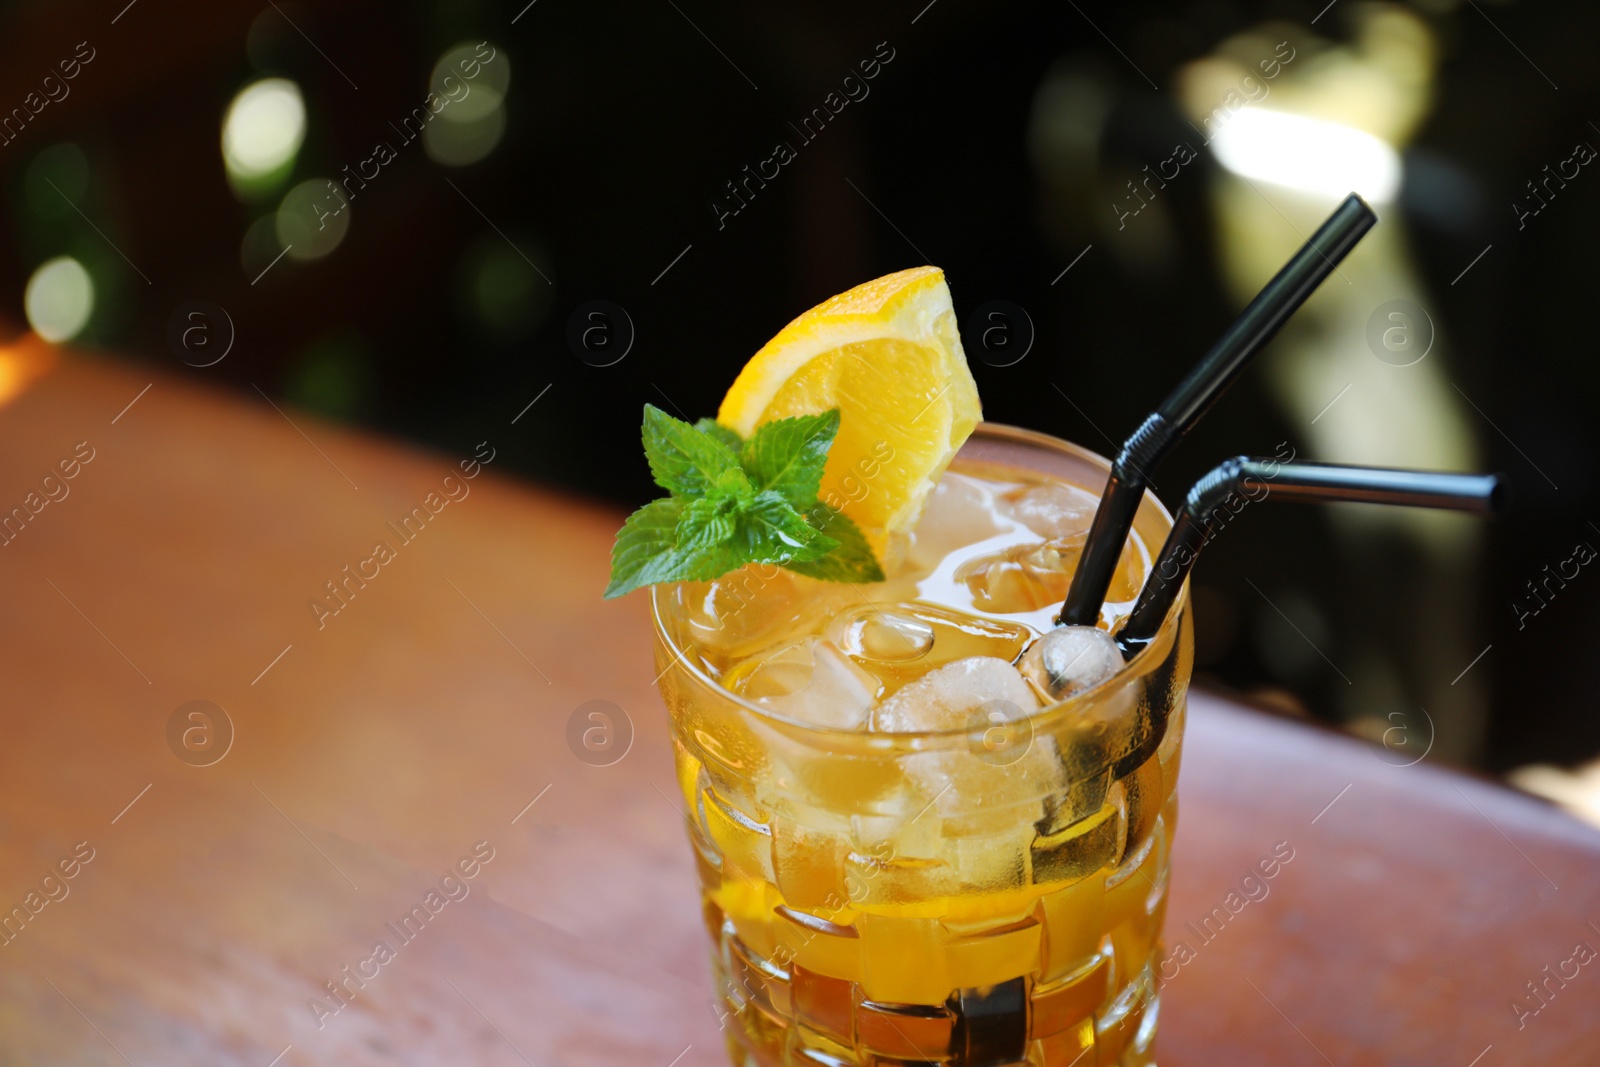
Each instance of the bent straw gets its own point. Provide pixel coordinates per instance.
(1149, 444)
(1479, 494)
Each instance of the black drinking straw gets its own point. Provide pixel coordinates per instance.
(1177, 415)
(1243, 479)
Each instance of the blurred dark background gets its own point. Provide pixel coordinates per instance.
(997, 140)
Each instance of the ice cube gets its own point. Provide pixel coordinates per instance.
(751, 609)
(1126, 580)
(1052, 510)
(1002, 771)
(897, 643)
(1070, 659)
(809, 681)
(949, 698)
(1021, 577)
(960, 512)
(892, 638)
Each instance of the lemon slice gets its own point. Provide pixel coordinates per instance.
(888, 356)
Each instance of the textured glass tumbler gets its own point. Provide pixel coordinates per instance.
(986, 896)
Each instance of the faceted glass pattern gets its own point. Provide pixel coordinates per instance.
(863, 913)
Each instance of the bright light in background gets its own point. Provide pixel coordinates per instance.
(458, 144)
(1307, 153)
(312, 220)
(474, 120)
(485, 83)
(264, 128)
(58, 299)
(22, 361)
(1576, 790)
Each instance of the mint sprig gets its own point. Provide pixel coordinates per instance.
(736, 502)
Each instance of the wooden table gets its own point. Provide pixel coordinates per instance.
(375, 748)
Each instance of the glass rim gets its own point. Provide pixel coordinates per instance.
(1139, 665)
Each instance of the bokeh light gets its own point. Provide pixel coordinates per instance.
(333, 376)
(474, 78)
(23, 360)
(499, 291)
(1307, 153)
(264, 128)
(260, 246)
(57, 178)
(471, 80)
(458, 144)
(59, 299)
(312, 219)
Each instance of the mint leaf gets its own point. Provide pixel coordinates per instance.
(683, 460)
(851, 561)
(647, 536)
(695, 564)
(735, 502)
(777, 533)
(787, 455)
(708, 521)
(714, 518)
(647, 551)
(720, 433)
(734, 482)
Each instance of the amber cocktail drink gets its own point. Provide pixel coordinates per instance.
(907, 852)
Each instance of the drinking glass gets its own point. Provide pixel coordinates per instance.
(983, 896)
